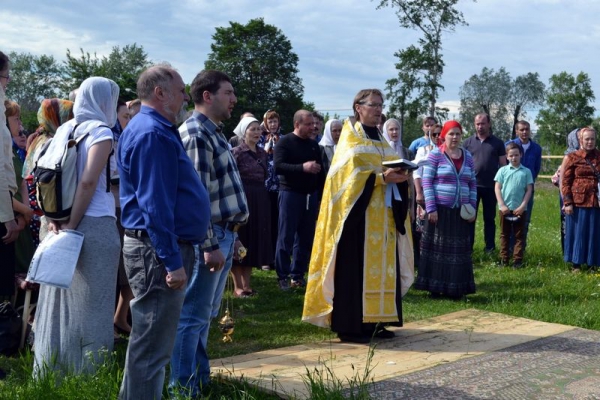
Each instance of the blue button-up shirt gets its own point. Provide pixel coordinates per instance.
(159, 189)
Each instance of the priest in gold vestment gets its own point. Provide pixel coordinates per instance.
(362, 257)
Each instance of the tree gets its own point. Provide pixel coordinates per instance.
(262, 66)
(123, 65)
(405, 98)
(505, 100)
(32, 79)
(568, 106)
(527, 90)
(488, 92)
(431, 18)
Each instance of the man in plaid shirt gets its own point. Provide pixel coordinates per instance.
(207, 147)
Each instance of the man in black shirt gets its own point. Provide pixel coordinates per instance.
(488, 154)
(298, 163)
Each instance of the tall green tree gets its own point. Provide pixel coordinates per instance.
(123, 65)
(432, 18)
(527, 91)
(33, 78)
(568, 106)
(504, 99)
(487, 92)
(263, 69)
(405, 98)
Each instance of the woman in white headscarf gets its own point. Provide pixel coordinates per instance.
(329, 141)
(391, 133)
(74, 327)
(256, 234)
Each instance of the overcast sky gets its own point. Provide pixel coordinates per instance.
(343, 45)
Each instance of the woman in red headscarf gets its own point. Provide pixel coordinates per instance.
(449, 183)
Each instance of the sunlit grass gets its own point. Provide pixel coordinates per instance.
(544, 290)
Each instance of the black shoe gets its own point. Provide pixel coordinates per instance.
(518, 265)
(284, 284)
(354, 338)
(435, 295)
(383, 333)
(298, 283)
(2, 374)
(489, 250)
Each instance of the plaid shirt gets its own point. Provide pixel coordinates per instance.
(207, 147)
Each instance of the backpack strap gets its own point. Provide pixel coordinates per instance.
(80, 138)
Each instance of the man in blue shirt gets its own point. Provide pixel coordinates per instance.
(165, 210)
(532, 159)
(428, 124)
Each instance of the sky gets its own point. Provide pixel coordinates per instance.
(343, 45)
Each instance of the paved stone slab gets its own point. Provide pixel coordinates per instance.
(418, 346)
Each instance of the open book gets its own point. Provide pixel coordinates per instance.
(401, 163)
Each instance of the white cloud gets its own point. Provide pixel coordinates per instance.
(343, 45)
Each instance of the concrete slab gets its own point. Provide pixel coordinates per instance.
(418, 345)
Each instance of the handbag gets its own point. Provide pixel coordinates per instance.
(467, 211)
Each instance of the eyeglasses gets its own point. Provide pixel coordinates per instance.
(7, 77)
(435, 134)
(372, 105)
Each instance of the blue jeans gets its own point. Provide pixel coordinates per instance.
(155, 314)
(297, 221)
(189, 362)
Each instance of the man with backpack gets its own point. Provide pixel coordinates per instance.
(165, 211)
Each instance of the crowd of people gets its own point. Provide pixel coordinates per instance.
(174, 208)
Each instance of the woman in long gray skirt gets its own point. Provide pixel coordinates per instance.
(74, 327)
(445, 266)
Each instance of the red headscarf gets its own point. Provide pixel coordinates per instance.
(445, 129)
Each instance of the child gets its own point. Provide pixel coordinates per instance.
(514, 185)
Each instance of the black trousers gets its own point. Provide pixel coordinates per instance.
(487, 197)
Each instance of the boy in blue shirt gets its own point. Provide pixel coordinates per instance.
(514, 185)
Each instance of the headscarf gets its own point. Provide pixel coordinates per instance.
(327, 139)
(397, 146)
(445, 129)
(53, 113)
(96, 101)
(573, 141)
(242, 126)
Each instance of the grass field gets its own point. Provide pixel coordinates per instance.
(544, 290)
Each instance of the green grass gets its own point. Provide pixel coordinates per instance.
(544, 290)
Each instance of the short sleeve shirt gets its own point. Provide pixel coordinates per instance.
(514, 183)
(486, 155)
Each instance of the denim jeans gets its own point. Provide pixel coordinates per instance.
(155, 314)
(189, 362)
(297, 221)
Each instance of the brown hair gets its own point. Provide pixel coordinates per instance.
(360, 96)
(12, 108)
(271, 114)
(511, 146)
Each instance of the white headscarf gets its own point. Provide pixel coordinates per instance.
(240, 129)
(327, 139)
(397, 146)
(96, 104)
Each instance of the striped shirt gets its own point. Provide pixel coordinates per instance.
(441, 180)
(209, 151)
